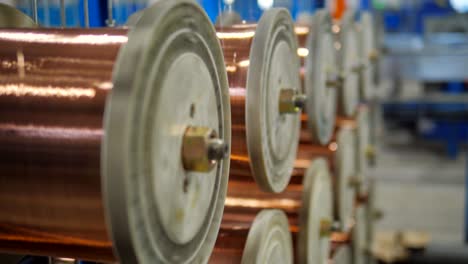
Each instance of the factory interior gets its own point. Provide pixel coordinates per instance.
(234, 131)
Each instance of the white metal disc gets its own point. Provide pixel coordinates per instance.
(269, 239)
(345, 170)
(371, 211)
(319, 65)
(363, 145)
(367, 48)
(317, 204)
(169, 76)
(360, 243)
(272, 137)
(348, 62)
(343, 255)
(11, 17)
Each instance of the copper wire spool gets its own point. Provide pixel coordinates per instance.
(81, 139)
(330, 73)
(236, 52)
(369, 55)
(249, 239)
(52, 102)
(302, 32)
(263, 75)
(341, 156)
(319, 76)
(349, 63)
(309, 151)
(308, 207)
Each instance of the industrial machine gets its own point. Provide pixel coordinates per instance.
(148, 133)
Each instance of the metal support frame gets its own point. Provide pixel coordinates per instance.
(466, 201)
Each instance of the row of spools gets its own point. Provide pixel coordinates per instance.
(174, 141)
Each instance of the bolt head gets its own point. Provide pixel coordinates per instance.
(370, 152)
(374, 56)
(326, 226)
(354, 181)
(290, 102)
(196, 149)
(335, 80)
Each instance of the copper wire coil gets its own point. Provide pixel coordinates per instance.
(339, 238)
(51, 113)
(236, 43)
(231, 241)
(309, 151)
(245, 200)
(302, 32)
(230, 245)
(243, 203)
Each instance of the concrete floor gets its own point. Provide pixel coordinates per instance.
(419, 188)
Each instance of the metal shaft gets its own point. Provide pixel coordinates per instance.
(86, 13)
(110, 22)
(63, 14)
(34, 8)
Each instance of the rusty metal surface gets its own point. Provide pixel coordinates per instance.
(53, 88)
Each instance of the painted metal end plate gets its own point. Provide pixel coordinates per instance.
(272, 137)
(319, 65)
(317, 206)
(363, 146)
(11, 17)
(346, 170)
(348, 63)
(170, 75)
(367, 48)
(359, 242)
(269, 239)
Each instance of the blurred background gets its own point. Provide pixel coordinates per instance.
(421, 125)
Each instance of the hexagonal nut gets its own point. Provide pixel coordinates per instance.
(374, 55)
(196, 148)
(334, 79)
(326, 226)
(287, 102)
(358, 68)
(354, 181)
(370, 152)
(377, 214)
